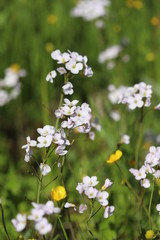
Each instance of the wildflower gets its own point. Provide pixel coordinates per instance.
(109, 53)
(90, 181)
(46, 130)
(36, 214)
(150, 57)
(155, 21)
(102, 198)
(115, 115)
(68, 205)
(49, 47)
(115, 157)
(91, 192)
(125, 139)
(51, 19)
(20, 222)
(82, 208)
(59, 193)
(107, 184)
(149, 234)
(109, 210)
(73, 66)
(45, 169)
(61, 70)
(43, 226)
(50, 76)
(87, 10)
(44, 141)
(145, 183)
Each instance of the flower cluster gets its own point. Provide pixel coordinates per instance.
(152, 160)
(48, 136)
(10, 86)
(137, 96)
(37, 215)
(72, 62)
(88, 188)
(109, 53)
(90, 9)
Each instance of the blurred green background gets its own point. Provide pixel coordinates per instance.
(29, 32)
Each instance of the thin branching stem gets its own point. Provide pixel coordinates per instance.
(63, 229)
(3, 222)
(150, 204)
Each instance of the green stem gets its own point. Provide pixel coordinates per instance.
(90, 216)
(139, 138)
(3, 221)
(39, 188)
(150, 204)
(64, 232)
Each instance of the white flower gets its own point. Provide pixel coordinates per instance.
(46, 130)
(145, 183)
(107, 184)
(115, 115)
(49, 208)
(30, 143)
(82, 208)
(80, 188)
(63, 58)
(44, 141)
(109, 210)
(68, 88)
(36, 215)
(50, 76)
(60, 150)
(73, 66)
(91, 192)
(45, 169)
(135, 101)
(69, 205)
(43, 226)
(61, 70)
(90, 181)
(19, 222)
(138, 174)
(109, 53)
(102, 198)
(158, 207)
(125, 139)
(55, 54)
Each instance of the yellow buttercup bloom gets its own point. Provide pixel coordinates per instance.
(149, 234)
(155, 21)
(15, 67)
(51, 19)
(58, 193)
(114, 157)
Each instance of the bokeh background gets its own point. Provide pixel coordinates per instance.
(29, 32)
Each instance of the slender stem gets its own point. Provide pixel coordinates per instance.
(3, 221)
(139, 138)
(39, 188)
(64, 232)
(90, 216)
(150, 204)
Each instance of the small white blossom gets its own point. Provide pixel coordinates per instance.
(44, 141)
(73, 66)
(45, 169)
(43, 226)
(82, 208)
(50, 76)
(109, 210)
(20, 222)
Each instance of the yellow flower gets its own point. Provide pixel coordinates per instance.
(51, 19)
(137, 4)
(49, 47)
(58, 193)
(150, 57)
(114, 157)
(155, 21)
(15, 67)
(149, 234)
